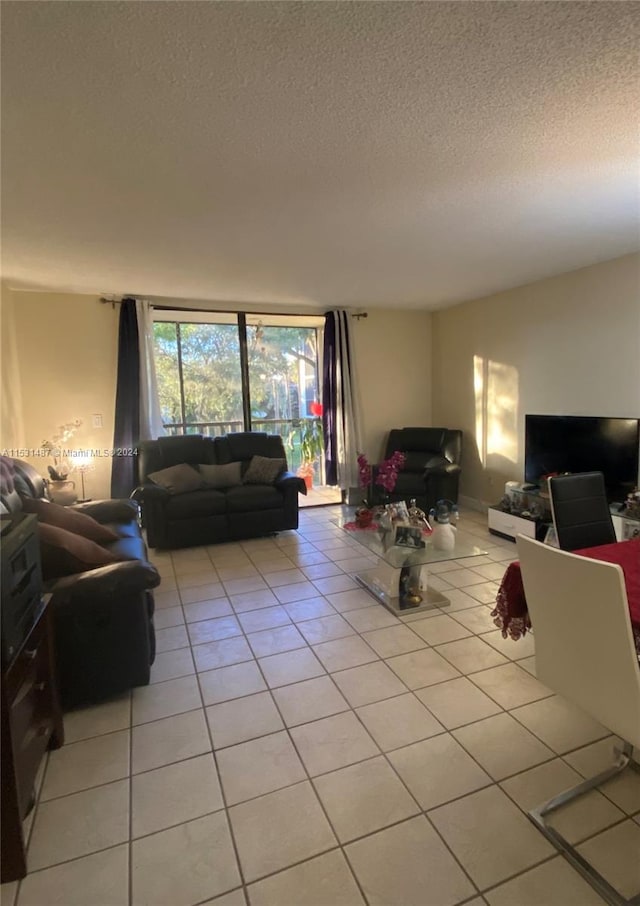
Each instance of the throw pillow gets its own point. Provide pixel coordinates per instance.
(63, 553)
(226, 476)
(178, 479)
(264, 470)
(68, 519)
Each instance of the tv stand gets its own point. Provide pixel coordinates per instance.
(625, 527)
(529, 514)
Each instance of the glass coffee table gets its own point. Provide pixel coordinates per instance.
(400, 578)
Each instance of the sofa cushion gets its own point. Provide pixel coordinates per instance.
(27, 480)
(206, 502)
(221, 476)
(191, 448)
(437, 462)
(178, 479)
(110, 511)
(64, 553)
(66, 518)
(250, 498)
(409, 484)
(124, 530)
(415, 462)
(264, 470)
(245, 444)
(418, 462)
(128, 548)
(419, 439)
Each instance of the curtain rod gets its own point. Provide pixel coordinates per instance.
(231, 311)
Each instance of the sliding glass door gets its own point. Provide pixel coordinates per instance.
(219, 373)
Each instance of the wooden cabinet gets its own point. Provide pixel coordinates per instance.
(31, 723)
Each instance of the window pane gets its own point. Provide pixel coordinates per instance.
(211, 378)
(283, 379)
(210, 375)
(166, 359)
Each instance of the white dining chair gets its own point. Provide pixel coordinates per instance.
(585, 652)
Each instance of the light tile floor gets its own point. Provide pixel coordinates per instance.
(300, 746)
(320, 495)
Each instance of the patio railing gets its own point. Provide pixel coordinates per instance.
(285, 427)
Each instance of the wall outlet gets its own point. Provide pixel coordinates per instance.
(96, 420)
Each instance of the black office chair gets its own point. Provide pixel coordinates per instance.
(581, 511)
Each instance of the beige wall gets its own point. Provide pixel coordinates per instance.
(393, 366)
(11, 421)
(66, 347)
(567, 345)
(67, 355)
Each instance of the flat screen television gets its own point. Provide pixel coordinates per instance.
(577, 443)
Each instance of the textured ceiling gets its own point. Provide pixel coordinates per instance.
(357, 153)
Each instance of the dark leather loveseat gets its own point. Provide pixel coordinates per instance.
(431, 470)
(209, 515)
(103, 617)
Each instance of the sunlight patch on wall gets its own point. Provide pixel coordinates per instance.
(495, 387)
(479, 395)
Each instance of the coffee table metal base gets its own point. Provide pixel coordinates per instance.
(431, 599)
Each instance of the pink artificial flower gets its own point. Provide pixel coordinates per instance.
(387, 474)
(364, 471)
(388, 471)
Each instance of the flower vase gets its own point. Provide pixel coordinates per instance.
(62, 492)
(305, 471)
(364, 517)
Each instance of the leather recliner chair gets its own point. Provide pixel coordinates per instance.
(431, 470)
(102, 618)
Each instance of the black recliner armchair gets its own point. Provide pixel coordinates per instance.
(103, 617)
(431, 470)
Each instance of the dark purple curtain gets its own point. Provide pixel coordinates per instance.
(124, 468)
(330, 398)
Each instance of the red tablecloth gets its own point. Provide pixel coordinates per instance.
(511, 614)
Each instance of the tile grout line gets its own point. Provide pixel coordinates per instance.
(402, 781)
(498, 782)
(383, 754)
(223, 795)
(130, 816)
(357, 633)
(308, 780)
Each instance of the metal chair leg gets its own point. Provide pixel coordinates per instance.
(537, 815)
